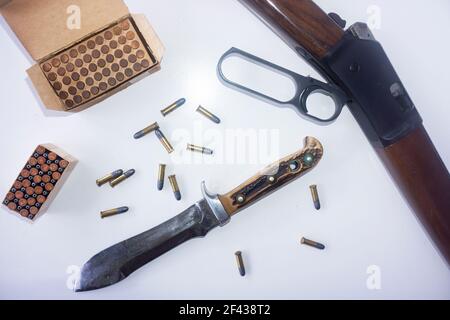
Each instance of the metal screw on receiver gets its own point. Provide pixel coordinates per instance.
(313, 244)
(315, 196)
(240, 263)
(122, 178)
(113, 212)
(174, 106)
(175, 187)
(208, 114)
(146, 130)
(109, 177)
(161, 175)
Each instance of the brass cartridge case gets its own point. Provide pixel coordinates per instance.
(313, 244)
(161, 175)
(146, 130)
(315, 196)
(174, 106)
(208, 114)
(122, 178)
(203, 150)
(113, 212)
(240, 263)
(164, 141)
(107, 178)
(175, 187)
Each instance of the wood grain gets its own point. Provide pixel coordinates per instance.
(273, 177)
(300, 23)
(422, 177)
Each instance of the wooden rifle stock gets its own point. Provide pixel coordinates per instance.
(412, 160)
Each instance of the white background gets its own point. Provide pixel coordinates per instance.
(364, 220)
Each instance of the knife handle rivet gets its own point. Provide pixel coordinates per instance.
(308, 159)
(240, 198)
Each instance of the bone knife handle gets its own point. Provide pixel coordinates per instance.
(273, 177)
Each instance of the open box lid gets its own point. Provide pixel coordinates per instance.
(42, 25)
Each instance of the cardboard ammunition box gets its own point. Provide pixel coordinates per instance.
(85, 50)
(39, 182)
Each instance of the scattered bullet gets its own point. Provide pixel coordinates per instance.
(146, 131)
(109, 177)
(203, 150)
(161, 175)
(313, 244)
(175, 188)
(113, 212)
(122, 178)
(208, 114)
(315, 196)
(173, 107)
(164, 141)
(240, 263)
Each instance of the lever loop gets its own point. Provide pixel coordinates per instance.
(305, 86)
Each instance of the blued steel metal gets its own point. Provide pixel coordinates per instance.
(119, 261)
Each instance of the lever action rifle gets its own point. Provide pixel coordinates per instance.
(355, 62)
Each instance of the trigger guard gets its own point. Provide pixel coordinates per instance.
(338, 105)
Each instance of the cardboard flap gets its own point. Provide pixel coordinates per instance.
(3, 2)
(44, 89)
(150, 36)
(43, 25)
